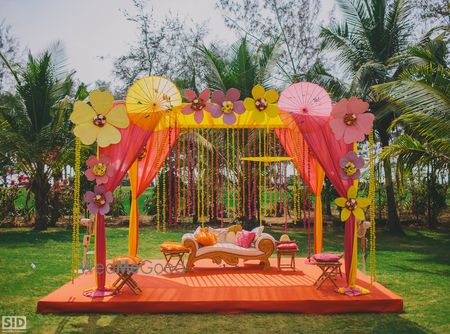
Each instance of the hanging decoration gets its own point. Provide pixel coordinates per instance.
(351, 166)
(348, 120)
(99, 120)
(76, 211)
(98, 201)
(262, 104)
(227, 105)
(372, 235)
(351, 205)
(99, 169)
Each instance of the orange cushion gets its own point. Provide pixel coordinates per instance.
(127, 259)
(235, 228)
(172, 246)
(206, 238)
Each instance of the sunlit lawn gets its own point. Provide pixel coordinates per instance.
(417, 267)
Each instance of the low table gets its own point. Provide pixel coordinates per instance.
(178, 256)
(288, 252)
(330, 270)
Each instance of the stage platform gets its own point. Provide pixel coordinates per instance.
(211, 288)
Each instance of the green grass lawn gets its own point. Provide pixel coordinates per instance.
(417, 267)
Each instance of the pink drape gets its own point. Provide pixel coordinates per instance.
(293, 142)
(143, 172)
(328, 151)
(121, 156)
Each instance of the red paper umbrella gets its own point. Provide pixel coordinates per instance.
(304, 100)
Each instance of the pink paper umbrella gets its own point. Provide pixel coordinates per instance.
(304, 99)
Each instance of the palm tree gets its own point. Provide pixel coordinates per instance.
(422, 94)
(34, 123)
(373, 32)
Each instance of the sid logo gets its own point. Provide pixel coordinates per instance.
(15, 324)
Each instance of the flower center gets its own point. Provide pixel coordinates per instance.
(142, 154)
(99, 120)
(350, 119)
(351, 204)
(261, 104)
(99, 200)
(99, 169)
(227, 107)
(197, 104)
(349, 169)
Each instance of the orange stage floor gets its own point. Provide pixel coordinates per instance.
(211, 288)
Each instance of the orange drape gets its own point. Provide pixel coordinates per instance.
(142, 173)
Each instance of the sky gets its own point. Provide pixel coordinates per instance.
(95, 32)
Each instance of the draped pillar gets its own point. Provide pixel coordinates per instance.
(121, 156)
(143, 172)
(292, 140)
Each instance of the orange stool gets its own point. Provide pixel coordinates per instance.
(174, 250)
(125, 267)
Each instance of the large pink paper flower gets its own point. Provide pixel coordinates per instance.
(98, 201)
(198, 104)
(348, 120)
(227, 105)
(99, 169)
(350, 166)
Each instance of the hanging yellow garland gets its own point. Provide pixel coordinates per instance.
(198, 153)
(164, 201)
(228, 170)
(202, 166)
(260, 176)
(373, 276)
(76, 211)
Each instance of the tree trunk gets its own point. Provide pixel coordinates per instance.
(393, 223)
(40, 189)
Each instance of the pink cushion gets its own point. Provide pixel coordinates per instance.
(245, 238)
(327, 257)
(288, 246)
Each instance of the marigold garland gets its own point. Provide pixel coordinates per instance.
(76, 211)
(372, 233)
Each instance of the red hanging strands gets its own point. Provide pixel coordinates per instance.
(255, 212)
(188, 152)
(222, 180)
(178, 177)
(309, 205)
(304, 184)
(216, 184)
(170, 176)
(285, 201)
(248, 177)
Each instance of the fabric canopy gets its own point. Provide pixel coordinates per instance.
(142, 173)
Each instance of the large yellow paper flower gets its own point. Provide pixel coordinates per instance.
(261, 105)
(352, 205)
(99, 120)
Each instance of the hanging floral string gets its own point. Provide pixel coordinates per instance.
(198, 206)
(76, 210)
(178, 174)
(304, 185)
(164, 201)
(309, 203)
(373, 277)
(259, 177)
(285, 202)
(183, 150)
(169, 176)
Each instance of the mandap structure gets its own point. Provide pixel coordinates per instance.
(219, 157)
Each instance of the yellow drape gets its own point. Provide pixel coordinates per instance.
(133, 230)
(318, 223)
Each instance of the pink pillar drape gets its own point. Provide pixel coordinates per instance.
(121, 157)
(328, 151)
(143, 172)
(292, 140)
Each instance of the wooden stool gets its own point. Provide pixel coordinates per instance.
(289, 251)
(125, 267)
(330, 270)
(173, 250)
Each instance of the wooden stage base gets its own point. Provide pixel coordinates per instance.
(212, 288)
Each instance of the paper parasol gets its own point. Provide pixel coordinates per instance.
(303, 101)
(150, 99)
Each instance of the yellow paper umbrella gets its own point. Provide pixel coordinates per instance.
(150, 101)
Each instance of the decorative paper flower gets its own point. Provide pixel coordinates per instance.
(352, 205)
(198, 104)
(98, 201)
(350, 166)
(261, 103)
(227, 105)
(99, 169)
(99, 120)
(349, 121)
